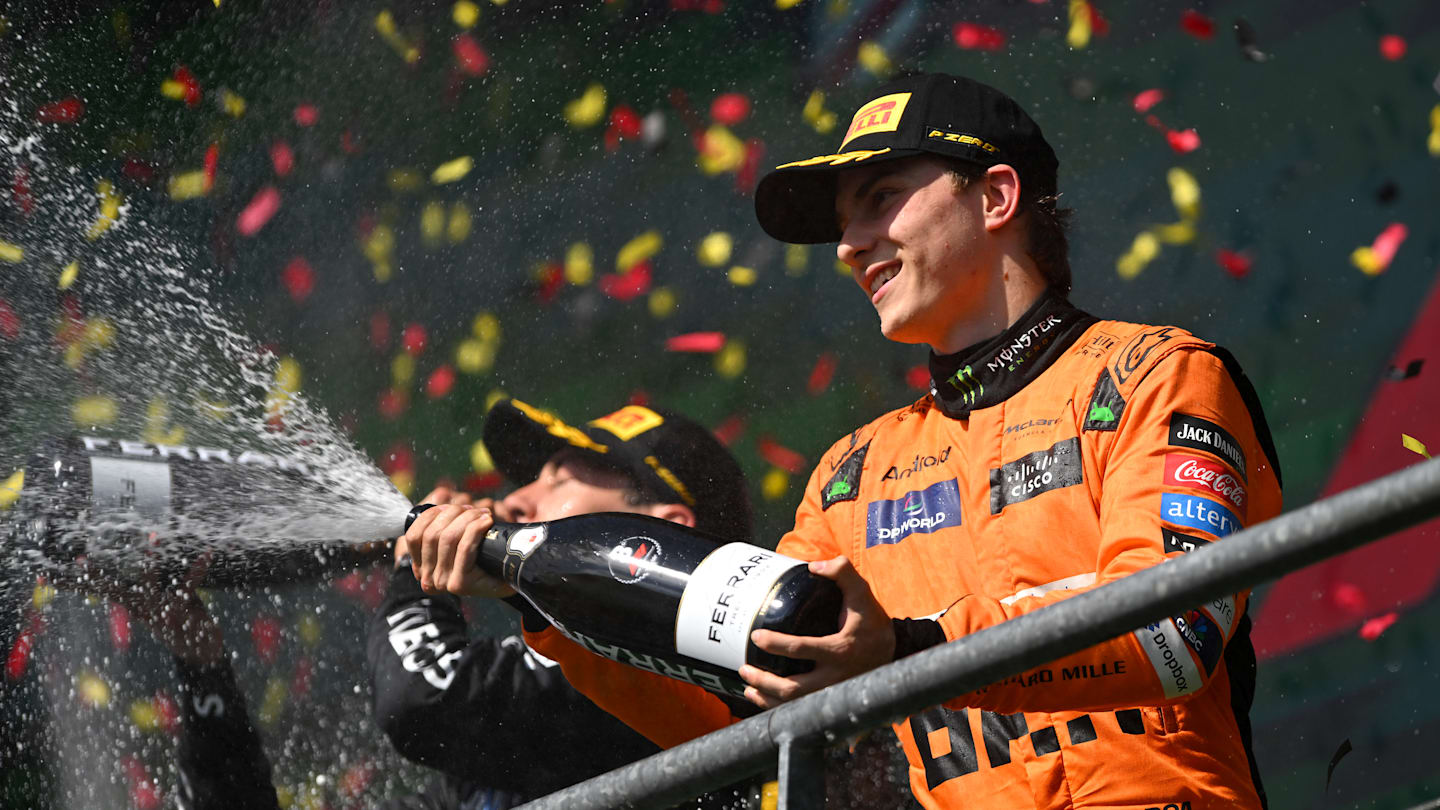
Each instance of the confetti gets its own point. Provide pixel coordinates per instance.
(465, 13)
(1142, 251)
(974, 37)
(452, 170)
(1393, 47)
(187, 185)
(816, 115)
(1414, 445)
(638, 249)
(704, 342)
(1237, 264)
(432, 223)
(781, 456)
(873, 58)
(730, 360)
(145, 716)
(9, 321)
(918, 377)
(92, 689)
(662, 302)
(10, 489)
(392, 403)
(273, 701)
(1432, 143)
(182, 86)
(298, 278)
(1411, 369)
(821, 374)
(652, 130)
(258, 212)
(774, 484)
(110, 201)
(385, 26)
(579, 264)
(1078, 35)
(1372, 628)
(480, 460)
(797, 258)
(729, 109)
(474, 356)
(587, 110)
(742, 276)
(1372, 260)
(785, 5)
(1340, 753)
(1197, 25)
(486, 327)
(715, 249)
(1348, 597)
(119, 627)
(12, 253)
(306, 115)
(20, 185)
(720, 151)
(1183, 141)
(440, 382)
(1146, 99)
(459, 225)
(231, 103)
(470, 58)
(282, 160)
(625, 124)
(65, 111)
(627, 285)
(413, 339)
(265, 634)
(1184, 192)
(94, 411)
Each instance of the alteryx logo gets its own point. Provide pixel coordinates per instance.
(1198, 513)
(920, 511)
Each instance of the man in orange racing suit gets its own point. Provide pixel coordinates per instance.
(1055, 453)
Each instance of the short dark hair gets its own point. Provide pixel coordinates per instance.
(1047, 240)
(634, 491)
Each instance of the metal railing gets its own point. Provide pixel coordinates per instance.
(797, 732)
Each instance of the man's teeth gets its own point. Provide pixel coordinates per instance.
(884, 276)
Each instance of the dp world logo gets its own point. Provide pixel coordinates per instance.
(920, 511)
(633, 559)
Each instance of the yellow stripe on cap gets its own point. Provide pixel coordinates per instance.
(881, 115)
(558, 428)
(836, 160)
(669, 478)
(630, 421)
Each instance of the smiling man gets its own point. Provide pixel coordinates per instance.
(1055, 453)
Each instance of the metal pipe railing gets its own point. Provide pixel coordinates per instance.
(882, 696)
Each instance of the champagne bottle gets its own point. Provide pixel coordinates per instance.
(661, 596)
(134, 509)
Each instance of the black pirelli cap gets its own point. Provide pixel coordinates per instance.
(930, 113)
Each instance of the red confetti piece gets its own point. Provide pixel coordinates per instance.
(480, 483)
(1237, 264)
(261, 208)
(139, 170)
(212, 164)
(629, 285)
(703, 342)
(639, 397)
(65, 111)
(707, 6)
(119, 627)
(349, 144)
(440, 381)
(1145, 99)
(167, 710)
(281, 158)
(781, 456)
(625, 124)
(18, 660)
(191, 84)
(1348, 597)
(355, 779)
(729, 109)
(1098, 23)
(306, 115)
(399, 458)
(1197, 25)
(1183, 141)
(265, 633)
(304, 674)
(379, 331)
(974, 37)
(1372, 628)
(821, 374)
(552, 281)
(732, 428)
(918, 378)
(20, 188)
(470, 58)
(1387, 244)
(413, 339)
(1393, 47)
(298, 278)
(749, 169)
(9, 321)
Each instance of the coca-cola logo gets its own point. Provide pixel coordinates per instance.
(1197, 473)
(633, 559)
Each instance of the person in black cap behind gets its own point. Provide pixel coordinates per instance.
(1054, 453)
(497, 720)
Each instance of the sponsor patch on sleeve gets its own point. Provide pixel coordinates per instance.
(1202, 434)
(1168, 655)
(1182, 543)
(844, 485)
(1195, 512)
(1202, 636)
(1106, 406)
(1209, 477)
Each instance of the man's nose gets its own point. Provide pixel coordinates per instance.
(518, 506)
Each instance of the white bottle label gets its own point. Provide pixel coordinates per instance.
(122, 485)
(725, 593)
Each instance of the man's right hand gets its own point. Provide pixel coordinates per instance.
(443, 543)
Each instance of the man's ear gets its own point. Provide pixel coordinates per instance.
(673, 512)
(1002, 195)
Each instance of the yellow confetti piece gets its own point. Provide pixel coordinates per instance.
(774, 484)
(110, 200)
(1184, 192)
(486, 327)
(68, 275)
(588, 109)
(10, 489)
(402, 370)
(382, 271)
(714, 249)
(1433, 142)
(638, 250)
(42, 596)
(579, 264)
(310, 629)
(172, 89)
(499, 2)
(93, 411)
(797, 258)
(494, 397)
(157, 420)
(432, 223)
(287, 375)
(92, 689)
(1366, 261)
(1079, 34)
(465, 14)
(74, 356)
(730, 360)
(404, 180)
(742, 276)
(385, 26)
(1144, 250)
(722, 151)
(480, 460)
(459, 225)
(873, 58)
(379, 244)
(816, 115)
(404, 481)
(145, 715)
(662, 302)
(285, 797)
(475, 356)
(1175, 233)
(231, 102)
(14, 254)
(1414, 445)
(273, 702)
(99, 333)
(786, 5)
(452, 170)
(187, 185)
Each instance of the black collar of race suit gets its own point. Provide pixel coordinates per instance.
(993, 370)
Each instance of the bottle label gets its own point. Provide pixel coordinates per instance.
(724, 595)
(525, 540)
(122, 485)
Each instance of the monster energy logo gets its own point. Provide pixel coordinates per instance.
(970, 389)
